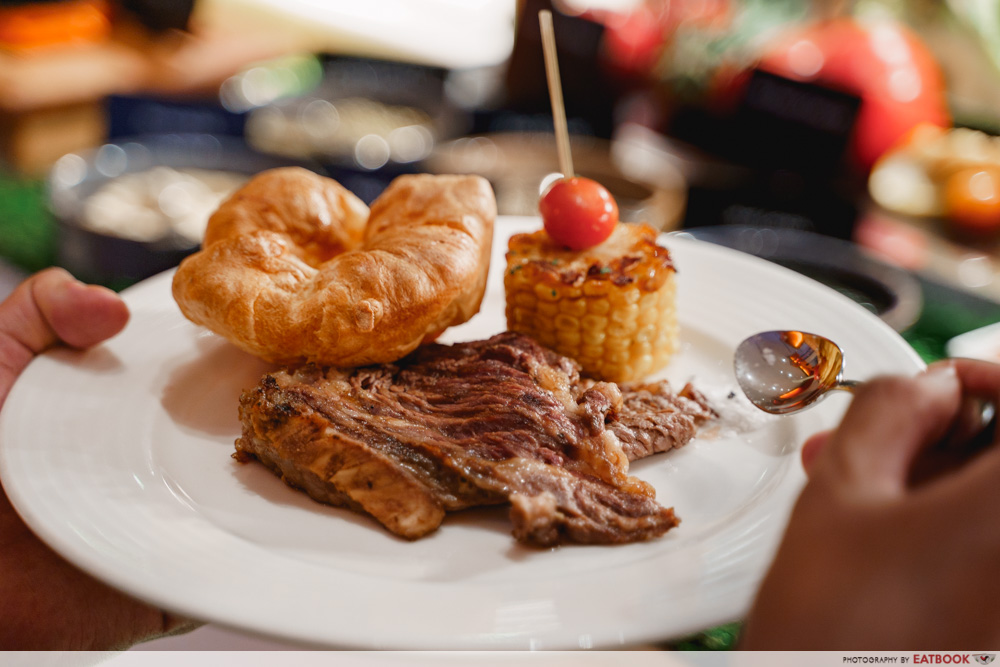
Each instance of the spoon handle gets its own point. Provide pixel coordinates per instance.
(848, 385)
(974, 430)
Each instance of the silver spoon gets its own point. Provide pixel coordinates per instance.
(785, 371)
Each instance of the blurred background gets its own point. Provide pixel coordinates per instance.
(852, 141)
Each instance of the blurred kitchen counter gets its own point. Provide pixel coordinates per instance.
(52, 98)
(133, 59)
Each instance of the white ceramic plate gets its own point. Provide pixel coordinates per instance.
(119, 458)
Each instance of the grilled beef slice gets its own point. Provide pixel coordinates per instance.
(502, 420)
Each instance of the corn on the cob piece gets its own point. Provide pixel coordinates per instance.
(612, 307)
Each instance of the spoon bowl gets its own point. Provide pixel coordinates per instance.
(786, 371)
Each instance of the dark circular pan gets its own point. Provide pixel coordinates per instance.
(116, 260)
(886, 290)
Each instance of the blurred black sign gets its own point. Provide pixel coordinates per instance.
(135, 115)
(789, 124)
(161, 14)
(785, 147)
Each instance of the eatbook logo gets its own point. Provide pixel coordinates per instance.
(984, 658)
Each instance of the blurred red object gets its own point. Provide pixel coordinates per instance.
(635, 40)
(884, 63)
(45, 24)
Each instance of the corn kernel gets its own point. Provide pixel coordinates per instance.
(639, 349)
(520, 279)
(594, 322)
(598, 306)
(646, 334)
(627, 314)
(546, 293)
(521, 316)
(612, 372)
(649, 301)
(628, 295)
(574, 307)
(566, 323)
(548, 309)
(648, 316)
(613, 345)
(546, 338)
(568, 339)
(619, 331)
(644, 364)
(525, 299)
(617, 357)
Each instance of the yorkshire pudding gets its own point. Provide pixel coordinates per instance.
(295, 268)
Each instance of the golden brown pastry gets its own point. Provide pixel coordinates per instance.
(295, 268)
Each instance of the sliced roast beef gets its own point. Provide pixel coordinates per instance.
(502, 420)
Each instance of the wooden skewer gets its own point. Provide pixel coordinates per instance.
(555, 93)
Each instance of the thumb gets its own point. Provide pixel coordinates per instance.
(890, 421)
(52, 307)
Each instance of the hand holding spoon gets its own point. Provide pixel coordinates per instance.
(782, 372)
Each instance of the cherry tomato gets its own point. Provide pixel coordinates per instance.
(578, 212)
(972, 201)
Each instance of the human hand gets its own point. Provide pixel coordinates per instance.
(47, 603)
(871, 560)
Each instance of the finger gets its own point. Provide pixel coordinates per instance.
(812, 447)
(980, 382)
(971, 472)
(52, 307)
(978, 378)
(969, 434)
(890, 421)
(79, 315)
